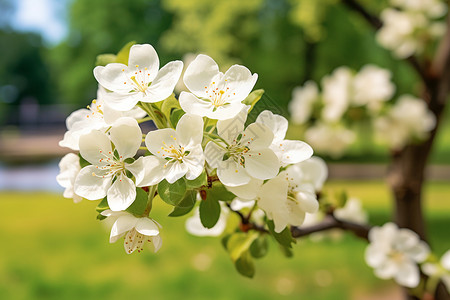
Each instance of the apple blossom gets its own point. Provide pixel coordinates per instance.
(302, 103)
(69, 168)
(336, 93)
(177, 152)
(140, 81)
(314, 171)
(137, 231)
(242, 154)
(352, 212)
(107, 174)
(288, 151)
(395, 252)
(214, 94)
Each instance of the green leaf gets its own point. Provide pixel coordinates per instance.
(140, 203)
(83, 162)
(172, 193)
(219, 192)
(253, 98)
(104, 59)
(209, 212)
(259, 247)
(124, 53)
(168, 104)
(129, 160)
(244, 265)
(102, 206)
(284, 238)
(239, 243)
(176, 116)
(197, 182)
(185, 205)
(341, 198)
(286, 251)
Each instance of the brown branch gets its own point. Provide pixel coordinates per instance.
(331, 222)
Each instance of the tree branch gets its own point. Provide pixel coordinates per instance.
(331, 222)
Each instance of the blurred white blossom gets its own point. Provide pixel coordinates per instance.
(69, 167)
(439, 270)
(336, 93)
(352, 212)
(331, 139)
(302, 103)
(395, 252)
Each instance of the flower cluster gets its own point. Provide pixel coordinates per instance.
(331, 117)
(408, 26)
(203, 151)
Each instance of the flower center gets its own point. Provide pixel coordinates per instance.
(135, 241)
(173, 152)
(139, 81)
(96, 110)
(110, 165)
(218, 96)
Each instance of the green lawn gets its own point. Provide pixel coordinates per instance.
(54, 249)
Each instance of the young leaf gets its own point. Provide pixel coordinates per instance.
(172, 193)
(253, 98)
(140, 203)
(284, 238)
(209, 212)
(259, 247)
(102, 206)
(341, 198)
(219, 192)
(244, 265)
(239, 243)
(104, 59)
(169, 104)
(185, 205)
(176, 116)
(124, 53)
(83, 162)
(197, 182)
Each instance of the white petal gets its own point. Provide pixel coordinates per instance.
(419, 252)
(262, 165)
(247, 191)
(144, 56)
(158, 141)
(89, 186)
(199, 74)
(157, 242)
(164, 83)
(94, 145)
(77, 116)
(175, 171)
(387, 269)
(240, 80)
(153, 170)
(314, 171)
(257, 135)
(195, 162)
(231, 173)
(408, 275)
(121, 194)
(123, 224)
(292, 152)
(126, 136)
(112, 77)
(194, 226)
(195, 106)
(374, 256)
(307, 200)
(214, 154)
(147, 227)
(445, 260)
(190, 130)
(278, 124)
(124, 102)
(231, 128)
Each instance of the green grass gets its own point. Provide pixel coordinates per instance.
(54, 249)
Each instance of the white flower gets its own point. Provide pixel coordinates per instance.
(137, 231)
(176, 152)
(352, 212)
(313, 171)
(285, 199)
(331, 139)
(372, 86)
(69, 167)
(96, 181)
(97, 116)
(288, 152)
(246, 153)
(141, 80)
(408, 119)
(336, 93)
(440, 270)
(395, 253)
(433, 8)
(302, 103)
(194, 225)
(214, 94)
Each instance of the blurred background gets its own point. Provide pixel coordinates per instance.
(55, 249)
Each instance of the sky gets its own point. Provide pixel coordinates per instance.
(47, 17)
